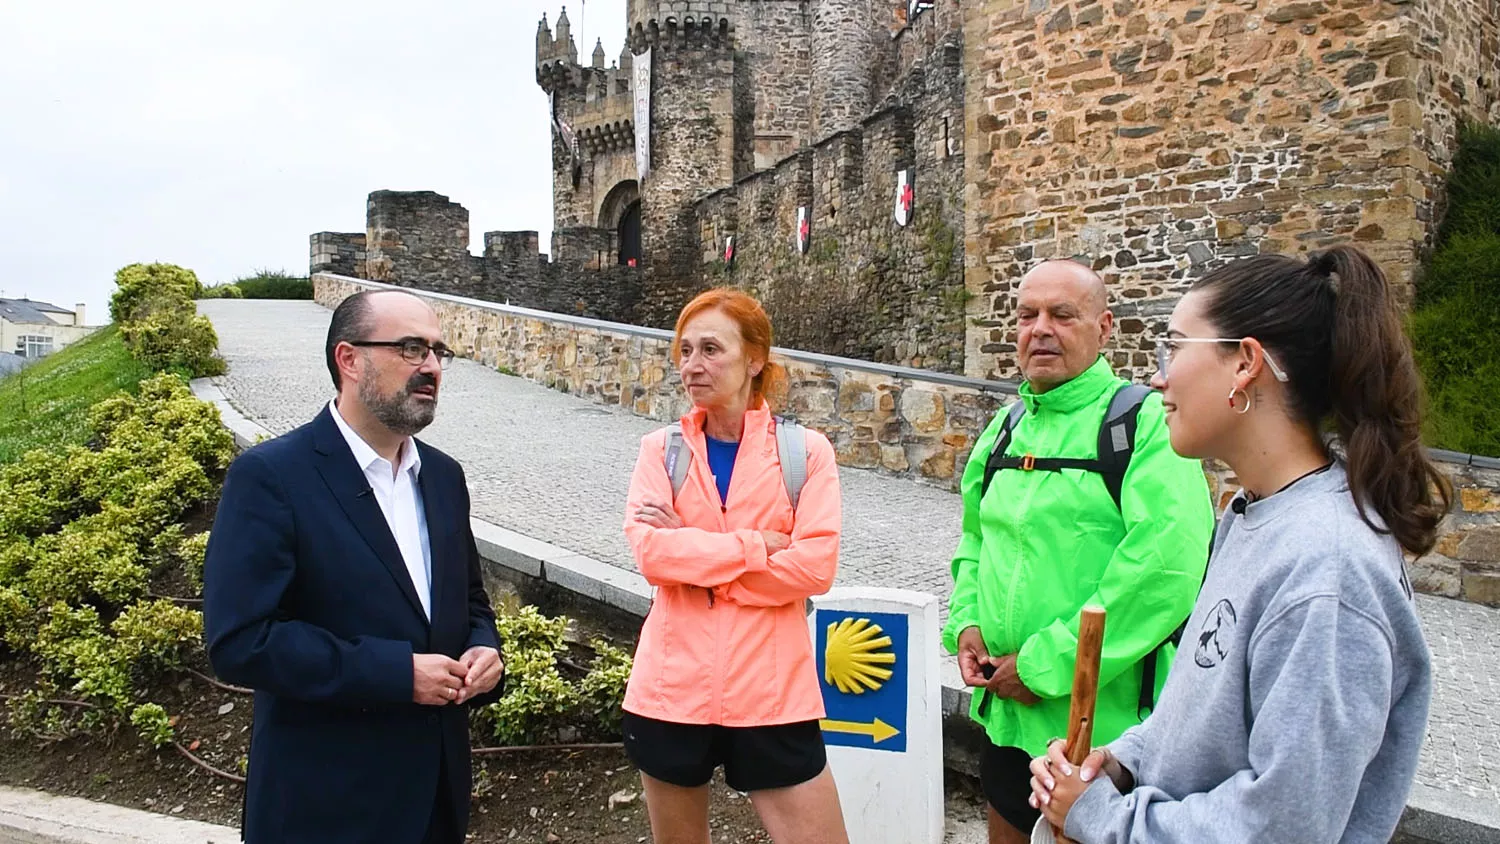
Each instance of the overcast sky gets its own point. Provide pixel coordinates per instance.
(219, 136)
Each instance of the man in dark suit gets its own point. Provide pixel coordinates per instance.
(342, 583)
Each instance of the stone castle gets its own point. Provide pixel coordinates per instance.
(1153, 139)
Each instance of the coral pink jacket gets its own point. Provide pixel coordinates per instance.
(726, 640)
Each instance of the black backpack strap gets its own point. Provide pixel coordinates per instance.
(1147, 701)
(1002, 442)
(1117, 436)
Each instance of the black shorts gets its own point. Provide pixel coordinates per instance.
(1005, 778)
(754, 758)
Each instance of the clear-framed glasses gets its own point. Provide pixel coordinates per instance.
(1165, 345)
(413, 351)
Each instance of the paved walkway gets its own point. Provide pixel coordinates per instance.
(556, 468)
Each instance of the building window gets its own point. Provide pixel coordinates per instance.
(33, 345)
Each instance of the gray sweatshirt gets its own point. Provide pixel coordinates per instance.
(1297, 703)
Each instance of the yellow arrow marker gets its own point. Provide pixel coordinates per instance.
(877, 730)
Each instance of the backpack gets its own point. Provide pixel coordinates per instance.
(1116, 447)
(791, 449)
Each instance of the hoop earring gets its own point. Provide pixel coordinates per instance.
(1249, 402)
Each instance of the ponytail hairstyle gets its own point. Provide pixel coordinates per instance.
(770, 384)
(1332, 325)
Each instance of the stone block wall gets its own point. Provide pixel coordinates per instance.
(1466, 563)
(775, 48)
(1157, 139)
(866, 288)
(342, 253)
(420, 239)
(907, 422)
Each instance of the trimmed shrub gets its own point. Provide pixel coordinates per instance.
(138, 283)
(223, 291)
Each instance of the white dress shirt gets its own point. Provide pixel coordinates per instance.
(401, 501)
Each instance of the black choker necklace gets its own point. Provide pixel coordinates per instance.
(1251, 497)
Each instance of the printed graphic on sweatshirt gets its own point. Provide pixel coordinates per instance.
(1215, 635)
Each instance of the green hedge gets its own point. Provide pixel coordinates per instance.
(265, 284)
(1455, 327)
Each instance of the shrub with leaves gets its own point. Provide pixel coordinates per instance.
(137, 283)
(603, 688)
(542, 705)
(83, 531)
(223, 291)
(169, 334)
(151, 721)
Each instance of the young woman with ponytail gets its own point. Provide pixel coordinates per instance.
(724, 673)
(1297, 704)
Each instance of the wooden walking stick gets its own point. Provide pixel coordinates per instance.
(1085, 692)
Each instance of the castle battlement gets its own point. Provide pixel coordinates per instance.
(691, 33)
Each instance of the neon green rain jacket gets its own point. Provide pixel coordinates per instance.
(1042, 545)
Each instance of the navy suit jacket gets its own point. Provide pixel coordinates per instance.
(308, 601)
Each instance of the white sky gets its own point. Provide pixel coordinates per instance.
(219, 136)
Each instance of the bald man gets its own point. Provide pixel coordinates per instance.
(1072, 496)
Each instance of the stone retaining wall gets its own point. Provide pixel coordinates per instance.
(908, 422)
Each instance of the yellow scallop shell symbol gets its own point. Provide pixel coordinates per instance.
(853, 657)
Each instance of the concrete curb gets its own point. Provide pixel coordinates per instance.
(34, 817)
(1450, 818)
(246, 432)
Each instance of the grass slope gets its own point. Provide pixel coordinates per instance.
(46, 404)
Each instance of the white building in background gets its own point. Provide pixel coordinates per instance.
(32, 329)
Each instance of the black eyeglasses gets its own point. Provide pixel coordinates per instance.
(414, 352)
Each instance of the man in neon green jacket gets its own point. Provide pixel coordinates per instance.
(1048, 539)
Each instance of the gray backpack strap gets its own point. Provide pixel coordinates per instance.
(1117, 436)
(676, 457)
(791, 448)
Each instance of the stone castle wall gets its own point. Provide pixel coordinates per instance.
(421, 242)
(866, 288)
(342, 253)
(902, 421)
(1157, 139)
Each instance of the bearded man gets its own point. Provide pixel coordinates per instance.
(342, 584)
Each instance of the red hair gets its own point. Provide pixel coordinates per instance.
(755, 334)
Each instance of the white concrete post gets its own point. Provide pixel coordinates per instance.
(884, 727)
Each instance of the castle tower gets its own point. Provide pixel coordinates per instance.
(694, 144)
(846, 61)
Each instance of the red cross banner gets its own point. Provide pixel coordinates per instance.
(729, 250)
(904, 197)
(804, 229)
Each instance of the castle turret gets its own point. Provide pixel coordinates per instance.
(845, 56)
(565, 48)
(598, 57)
(543, 40)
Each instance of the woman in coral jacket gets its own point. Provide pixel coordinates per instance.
(724, 673)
